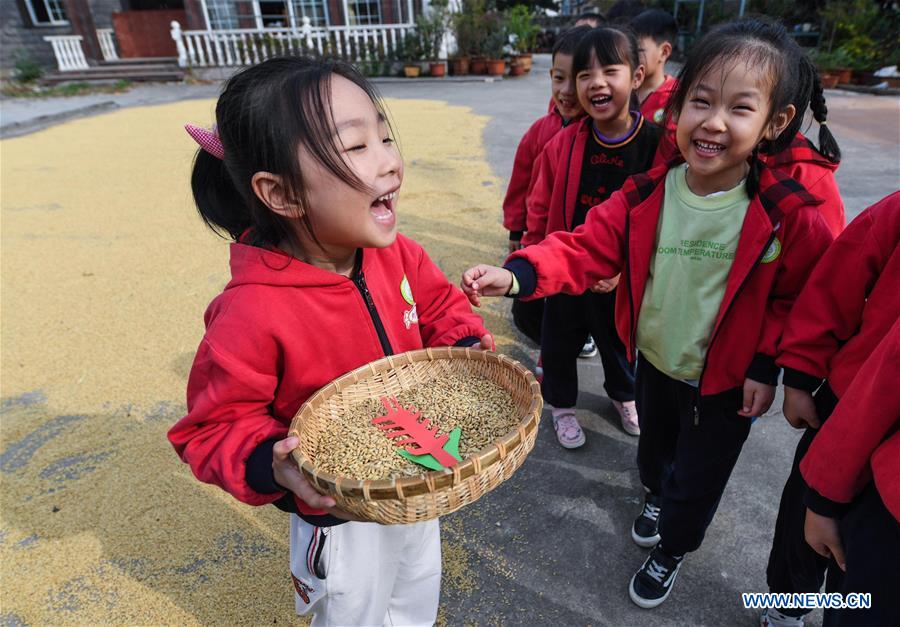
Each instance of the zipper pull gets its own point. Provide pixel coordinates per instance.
(696, 416)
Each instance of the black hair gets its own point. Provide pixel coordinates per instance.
(611, 46)
(623, 10)
(264, 114)
(595, 16)
(657, 24)
(568, 40)
(762, 42)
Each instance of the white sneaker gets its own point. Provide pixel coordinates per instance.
(628, 415)
(773, 618)
(589, 350)
(568, 431)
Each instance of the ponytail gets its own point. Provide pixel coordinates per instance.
(753, 175)
(827, 144)
(218, 201)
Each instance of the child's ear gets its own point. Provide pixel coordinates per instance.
(638, 77)
(666, 51)
(780, 122)
(270, 190)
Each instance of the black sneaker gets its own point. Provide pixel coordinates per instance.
(645, 530)
(653, 582)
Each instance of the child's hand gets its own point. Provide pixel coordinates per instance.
(484, 280)
(487, 343)
(605, 286)
(758, 398)
(822, 535)
(799, 408)
(288, 476)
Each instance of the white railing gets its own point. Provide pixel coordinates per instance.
(107, 44)
(68, 51)
(246, 46)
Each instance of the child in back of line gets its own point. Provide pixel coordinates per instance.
(712, 252)
(303, 175)
(528, 316)
(579, 168)
(655, 30)
(847, 307)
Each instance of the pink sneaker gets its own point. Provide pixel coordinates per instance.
(628, 415)
(568, 431)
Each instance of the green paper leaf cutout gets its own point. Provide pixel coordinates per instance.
(428, 461)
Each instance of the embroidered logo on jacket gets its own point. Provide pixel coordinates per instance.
(772, 251)
(658, 116)
(410, 316)
(302, 588)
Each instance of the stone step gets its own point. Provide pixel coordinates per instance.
(139, 74)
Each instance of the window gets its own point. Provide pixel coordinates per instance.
(315, 10)
(221, 14)
(365, 12)
(46, 12)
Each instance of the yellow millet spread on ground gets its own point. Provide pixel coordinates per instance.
(107, 270)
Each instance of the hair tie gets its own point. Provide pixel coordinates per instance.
(207, 139)
(823, 123)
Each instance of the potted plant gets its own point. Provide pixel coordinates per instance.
(496, 43)
(516, 68)
(468, 29)
(523, 34)
(432, 28)
(410, 53)
(834, 67)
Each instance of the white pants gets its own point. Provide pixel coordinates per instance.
(365, 574)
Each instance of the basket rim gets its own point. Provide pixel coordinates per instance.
(432, 480)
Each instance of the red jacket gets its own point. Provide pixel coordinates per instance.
(782, 237)
(554, 189)
(849, 303)
(282, 329)
(802, 162)
(654, 107)
(861, 440)
(530, 146)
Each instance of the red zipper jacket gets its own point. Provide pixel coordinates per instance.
(530, 147)
(849, 303)
(554, 190)
(782, 237)
(803, 163)
(860, 442)
(282, 329)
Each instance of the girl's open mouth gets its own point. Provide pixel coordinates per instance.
(382, 208)
(599, 102)
(708, 149)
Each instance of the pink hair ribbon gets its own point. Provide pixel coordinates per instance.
(207, 139)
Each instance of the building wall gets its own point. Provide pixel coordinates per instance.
(21, 38)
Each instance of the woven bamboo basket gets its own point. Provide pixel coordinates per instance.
(433, 493)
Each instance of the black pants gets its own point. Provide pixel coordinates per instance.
(793, 565)
(567, 322)
(871, 538)
(528, 316)
(688, 447)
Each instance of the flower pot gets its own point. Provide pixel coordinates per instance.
(844, 75)
(437, 69)
(863, 77)
(411, 71)
(478, 66)
(496, 67)
(525, 60)
(460, 66)
(829, 80)
(516, 69)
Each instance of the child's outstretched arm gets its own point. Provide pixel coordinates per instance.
(444, 316)
(484, 280)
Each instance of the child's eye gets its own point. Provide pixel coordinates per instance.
(357, 148)
(700, 102)
(388, 140)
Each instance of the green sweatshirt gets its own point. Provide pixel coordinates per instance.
(696, 241)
